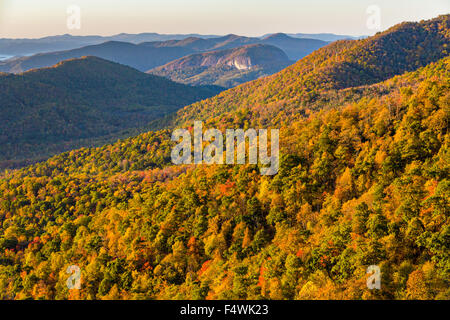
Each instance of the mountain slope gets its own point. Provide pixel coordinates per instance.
(340, 65)
(81, 99)
(225, 68)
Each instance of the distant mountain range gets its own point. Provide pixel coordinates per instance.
(149, 55)
(142, 57)
(22, 47)
(325, 36)
(226, 68)
(293, 47)
(50, 110)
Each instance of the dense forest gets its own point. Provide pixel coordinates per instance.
(363, 180)
(77, 102)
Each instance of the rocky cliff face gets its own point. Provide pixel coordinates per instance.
(226, 68)
(242, 58)
(240, 63)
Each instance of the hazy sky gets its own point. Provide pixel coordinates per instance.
(37, 18)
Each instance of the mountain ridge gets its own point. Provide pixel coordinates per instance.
(136, 56)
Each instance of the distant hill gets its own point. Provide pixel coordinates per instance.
(141, 57)
(294, 48)
(22, 47)
(148, 55)
(199, 44)
(26, 47)
(50, 110)
(324, 36)
(226, 68)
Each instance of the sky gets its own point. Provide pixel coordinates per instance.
(38, 18)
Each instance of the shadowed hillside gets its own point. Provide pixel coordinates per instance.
(47, 111)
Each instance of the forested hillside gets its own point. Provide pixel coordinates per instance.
(51, 110)
(363, 180)
(317, 79)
